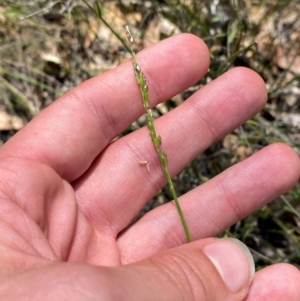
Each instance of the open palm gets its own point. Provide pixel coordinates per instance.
(68, 194)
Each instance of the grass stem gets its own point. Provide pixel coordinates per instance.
(156, 140)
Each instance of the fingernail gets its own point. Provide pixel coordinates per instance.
(233, 261)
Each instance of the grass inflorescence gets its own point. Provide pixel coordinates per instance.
(156, 139)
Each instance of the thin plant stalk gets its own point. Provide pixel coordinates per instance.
(156, 140)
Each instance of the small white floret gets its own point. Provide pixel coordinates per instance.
(144, 162)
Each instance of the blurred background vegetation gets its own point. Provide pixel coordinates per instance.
(48, 47)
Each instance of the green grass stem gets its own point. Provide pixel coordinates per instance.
(156, 140)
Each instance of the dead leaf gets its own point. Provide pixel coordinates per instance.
(10, 122)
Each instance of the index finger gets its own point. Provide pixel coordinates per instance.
(70, 133)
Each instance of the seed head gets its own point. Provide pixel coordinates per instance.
(129, 35)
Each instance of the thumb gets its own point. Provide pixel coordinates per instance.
(208, 269)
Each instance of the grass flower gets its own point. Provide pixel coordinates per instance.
(156, 139)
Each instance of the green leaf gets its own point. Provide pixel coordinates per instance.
(232, 34)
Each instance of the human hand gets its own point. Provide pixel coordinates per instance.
(68, 194)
